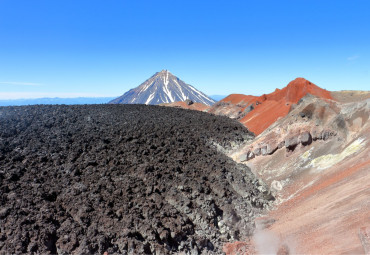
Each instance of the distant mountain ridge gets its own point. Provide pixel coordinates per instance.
(217, 97)
(163, 87)
(56, 100)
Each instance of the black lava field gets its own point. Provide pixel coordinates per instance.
(125, 179)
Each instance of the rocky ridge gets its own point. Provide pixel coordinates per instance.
(311, 120)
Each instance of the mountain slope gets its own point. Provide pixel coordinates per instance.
(316, 161)
(258, 113)
(162, 87)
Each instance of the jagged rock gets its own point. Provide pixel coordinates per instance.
(272, 148)
(189, 102)
(257, 151)
(281, 144)
(316, 135)
(243, 157)
(291, 142)
(4, 212)
(164, 236)
(241, 114)
(249, 108)
(305, 138)
(326, 134)
(265, 149)
(322, 135)
(268, 149)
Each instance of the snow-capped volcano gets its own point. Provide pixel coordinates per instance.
(162, 87)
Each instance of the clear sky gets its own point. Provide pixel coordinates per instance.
(71, 48)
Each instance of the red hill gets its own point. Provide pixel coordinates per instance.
(267, 108)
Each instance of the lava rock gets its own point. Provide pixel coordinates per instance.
(106, 178)
(189, 102)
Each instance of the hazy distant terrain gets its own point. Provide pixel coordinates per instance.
(69, 101)
(217, 97)
(57, 100)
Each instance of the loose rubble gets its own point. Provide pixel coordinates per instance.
(127, 179)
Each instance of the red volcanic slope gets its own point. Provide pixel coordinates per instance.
(239, 99)
(268, 108)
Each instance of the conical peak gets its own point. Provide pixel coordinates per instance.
(163, 87)
(164, 74)
(164, 71)
(300, 79)
(299, 87)
(299, 82)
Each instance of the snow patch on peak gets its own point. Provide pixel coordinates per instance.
(183, 97)
(150, 98)
(166, 79)
(168, 92)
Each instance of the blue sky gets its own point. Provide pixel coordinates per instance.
(71, 48)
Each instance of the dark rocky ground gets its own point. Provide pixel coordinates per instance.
(123, 179)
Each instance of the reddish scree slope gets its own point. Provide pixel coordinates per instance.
(240, 99)
(268, 108)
